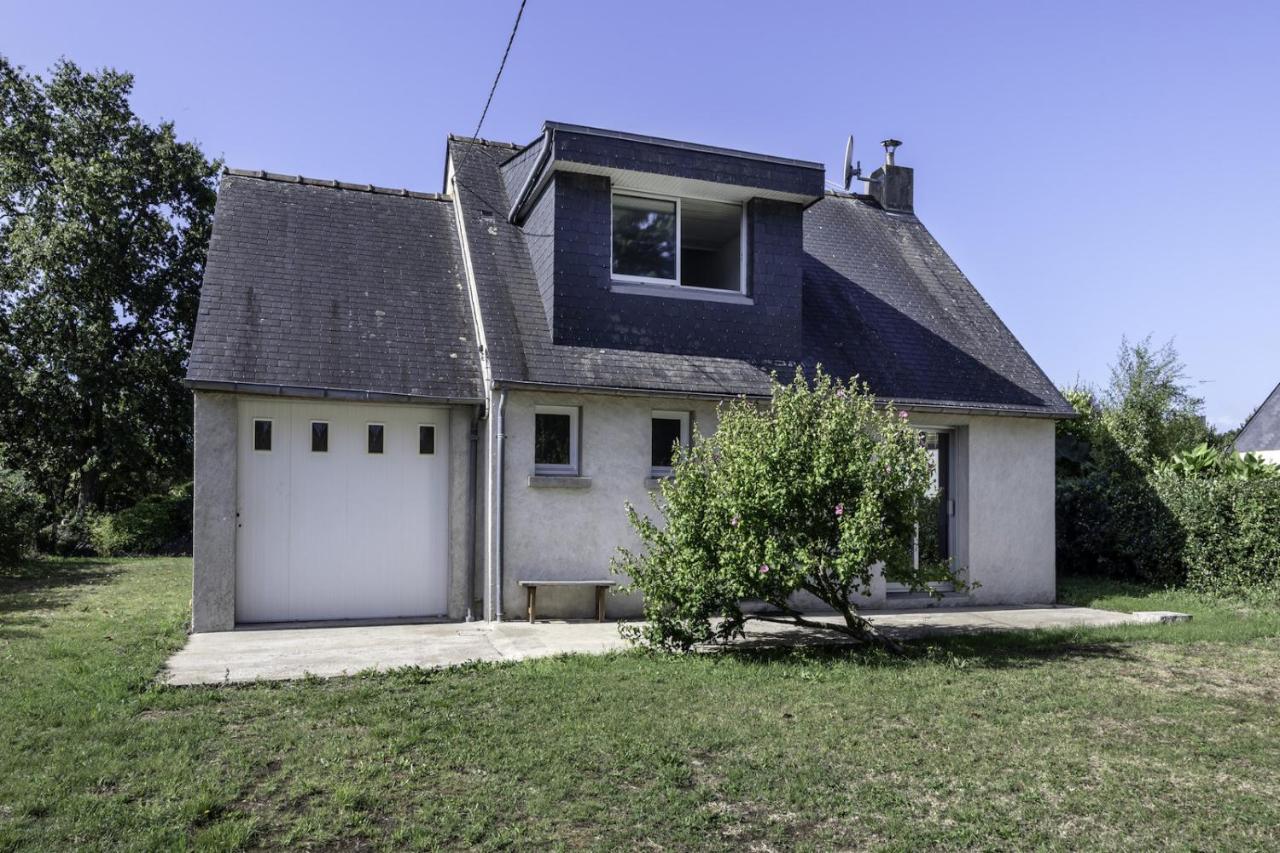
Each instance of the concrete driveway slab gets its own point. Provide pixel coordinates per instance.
(281, 653)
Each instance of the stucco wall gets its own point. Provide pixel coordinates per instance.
(574, 532)
(1004, 490)
(213, 534)
(1010, 500)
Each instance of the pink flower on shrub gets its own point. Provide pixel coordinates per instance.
(903, 414)
(839, 510)
(840, 394)
(764, 568)
(736, 520)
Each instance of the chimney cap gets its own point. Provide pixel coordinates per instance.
(890, 146)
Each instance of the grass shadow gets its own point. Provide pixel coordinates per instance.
(47, 584)
(968, 647)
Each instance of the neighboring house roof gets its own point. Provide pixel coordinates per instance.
(317, 287)
(880, 299)
(1262, 430)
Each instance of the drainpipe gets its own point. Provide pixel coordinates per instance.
(500, 458)
(544, 153)
(473, 472)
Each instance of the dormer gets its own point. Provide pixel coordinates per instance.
(665, 246)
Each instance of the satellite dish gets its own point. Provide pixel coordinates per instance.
(849, 171)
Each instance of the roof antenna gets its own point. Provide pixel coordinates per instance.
(850, 171)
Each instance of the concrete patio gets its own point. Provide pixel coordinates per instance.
(283, 653)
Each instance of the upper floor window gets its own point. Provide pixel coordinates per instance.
(678, 241)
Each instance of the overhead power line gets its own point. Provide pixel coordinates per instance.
(466, 156)
(510, 41)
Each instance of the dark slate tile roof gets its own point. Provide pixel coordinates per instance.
(883, 300)
(1262, 430)
(880, 299)
(342, 287)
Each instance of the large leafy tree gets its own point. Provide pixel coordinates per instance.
(814, 493)
(104, 223)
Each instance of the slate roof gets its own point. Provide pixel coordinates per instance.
(1262, 430)
(880, 299)
(317, 287)
(343, 289)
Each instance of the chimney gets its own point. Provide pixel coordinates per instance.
(893, 185)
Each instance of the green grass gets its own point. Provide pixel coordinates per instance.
(1147, 737)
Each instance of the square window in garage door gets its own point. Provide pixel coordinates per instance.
(261, 434)
(319, 437)
(426, 439)
(375, 438)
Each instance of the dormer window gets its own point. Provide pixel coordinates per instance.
(683, 242)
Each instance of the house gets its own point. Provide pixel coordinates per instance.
(1261, 433)
(406, 403)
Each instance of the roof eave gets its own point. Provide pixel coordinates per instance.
(309, 392)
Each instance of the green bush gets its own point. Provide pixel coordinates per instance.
(805, 495)
(20, 515)
(158, 524)
(1230, 531)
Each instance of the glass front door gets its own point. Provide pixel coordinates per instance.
(934, 534)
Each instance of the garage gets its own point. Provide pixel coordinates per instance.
(342, 511)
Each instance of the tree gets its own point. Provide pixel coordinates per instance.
(1149, 407)
(1110, 518)
(808, 494)
(104, 222)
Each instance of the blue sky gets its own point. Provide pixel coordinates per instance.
(1097, 169)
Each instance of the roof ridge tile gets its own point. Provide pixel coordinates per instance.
(331, 183)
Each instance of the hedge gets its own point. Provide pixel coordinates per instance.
(1228, 528)
(158, 524)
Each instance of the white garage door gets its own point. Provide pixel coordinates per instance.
(331, 528)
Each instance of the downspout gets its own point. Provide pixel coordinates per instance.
(473, 471)
(500, 456)
(534, 173)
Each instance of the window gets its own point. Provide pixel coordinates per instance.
(711, 244)
(262, 435)
(375, 438)
(555, 440)
(934, 534)
(687, 242)
(667, 429)
(319, 437)
(933, 528)
(644, 238)
(426, 440)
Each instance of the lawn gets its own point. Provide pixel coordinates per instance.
(1160, 736)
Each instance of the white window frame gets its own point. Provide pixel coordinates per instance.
(367, 451)
(570, 470)
(434, 436)
(684, 419)
(253, 434)
(677, 281)
(311, 425)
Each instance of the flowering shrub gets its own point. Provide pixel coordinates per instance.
(807, 494)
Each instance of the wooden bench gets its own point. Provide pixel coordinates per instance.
(531, 592)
